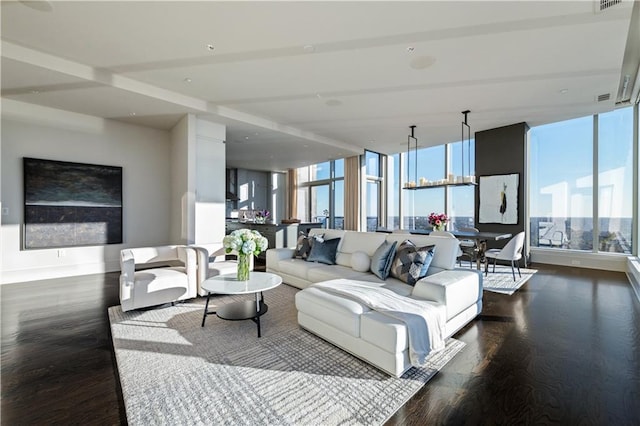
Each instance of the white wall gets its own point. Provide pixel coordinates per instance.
(39, 132)
(198, 181)
(210, 191)
(182, 170)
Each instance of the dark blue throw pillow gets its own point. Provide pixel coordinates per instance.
(382, 259)
(324, 251)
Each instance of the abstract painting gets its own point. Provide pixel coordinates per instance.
(499, 199)
(71, 204)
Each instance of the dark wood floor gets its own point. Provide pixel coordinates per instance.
(565, 349)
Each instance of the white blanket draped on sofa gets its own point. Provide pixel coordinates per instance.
(425, 324)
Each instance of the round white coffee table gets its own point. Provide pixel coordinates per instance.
(229, 284)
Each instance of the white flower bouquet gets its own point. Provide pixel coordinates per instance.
(246, 243)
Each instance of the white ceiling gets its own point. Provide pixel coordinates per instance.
(302, 82)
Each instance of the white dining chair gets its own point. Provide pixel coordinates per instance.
(511, 252)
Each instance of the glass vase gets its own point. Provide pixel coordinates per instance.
(439, 228)
(244, 262)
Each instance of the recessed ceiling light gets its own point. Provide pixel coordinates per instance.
(210, 47)
(563, 91)
(309, 48)
(132, 113)
(422, 62)
(187, 80)
(35, 91)
(333, 102)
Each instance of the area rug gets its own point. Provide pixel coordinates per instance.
(502, 281)
(173, 371)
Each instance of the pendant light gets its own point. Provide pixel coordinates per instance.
(411, 184)
(467, 178)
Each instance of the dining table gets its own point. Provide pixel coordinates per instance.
(481, 238)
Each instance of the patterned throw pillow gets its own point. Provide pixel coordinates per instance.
(302, 247)
(304, 244)
(411, 263)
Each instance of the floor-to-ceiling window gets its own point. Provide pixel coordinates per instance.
(561, 184)
(373, 202)
(461, 199)
(320, 193)
(337, 212)
(394, 185)
(615, 181)
(569, 160)
(429, 165)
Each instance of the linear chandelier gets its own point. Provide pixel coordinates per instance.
(464, 179)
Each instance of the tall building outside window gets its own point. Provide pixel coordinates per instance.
(568, 160)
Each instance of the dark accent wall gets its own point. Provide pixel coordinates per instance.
(502, 151)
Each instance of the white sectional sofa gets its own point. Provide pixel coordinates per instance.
(375, 337)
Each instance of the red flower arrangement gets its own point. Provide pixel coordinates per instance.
(438, 221)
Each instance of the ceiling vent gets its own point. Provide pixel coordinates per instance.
(604, 97)
(602, 5)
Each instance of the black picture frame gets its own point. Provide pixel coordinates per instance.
(70, 204)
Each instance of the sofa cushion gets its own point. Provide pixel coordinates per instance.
(324, 251)
(411, 263)
(382, 259)
(296, 267)
(360, 261)
(339, 312)
(331, 272)
(383, 331)
(353, 241)
(456, 289)
(397, 286)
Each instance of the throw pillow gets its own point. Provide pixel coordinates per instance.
(303, 247)
(360, 261)
(304, 244)
(411, 263)
(324, 251)
(382, 259)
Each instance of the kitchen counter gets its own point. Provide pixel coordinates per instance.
(279, 236)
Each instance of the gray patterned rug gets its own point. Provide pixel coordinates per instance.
(502, 281)
(173, 371)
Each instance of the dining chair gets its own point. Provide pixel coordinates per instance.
(511, 252)
(469, 247)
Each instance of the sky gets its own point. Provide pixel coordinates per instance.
(561, 177)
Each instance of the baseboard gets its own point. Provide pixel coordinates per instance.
(579, 259)
(633, 273)
(49, 272)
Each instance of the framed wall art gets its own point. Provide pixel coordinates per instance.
(71, 204)
(499, 199)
